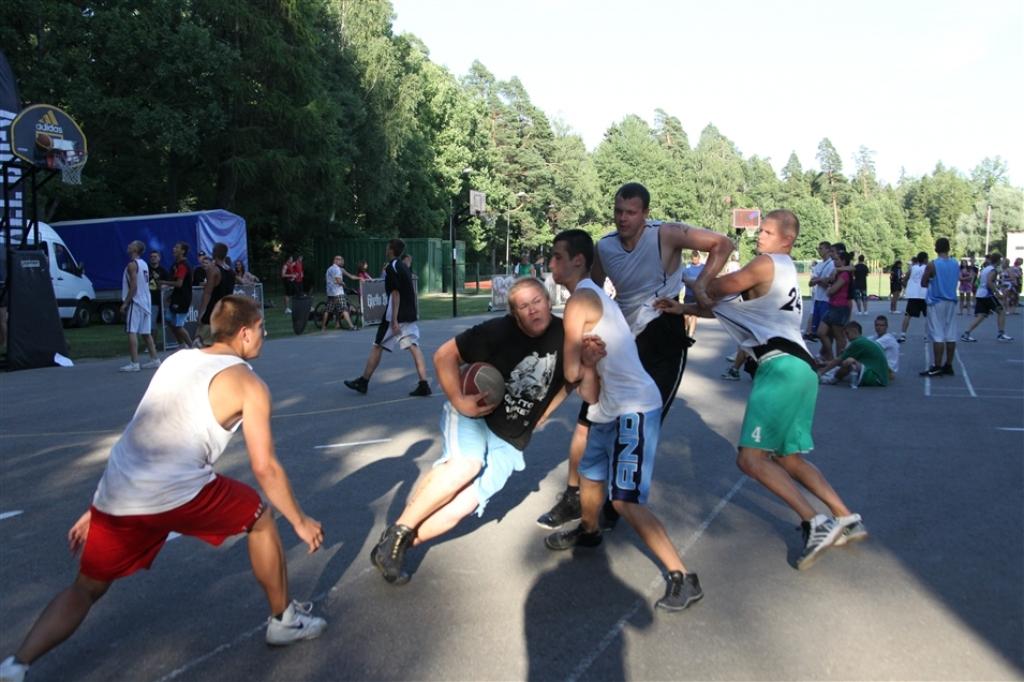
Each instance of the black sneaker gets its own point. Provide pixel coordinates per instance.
(947, 370)
(422, 389)
(577, 537)
(608, 517)
(932, 371)
(359, 384)
(681, 590)
(566, 509)
(389, 553)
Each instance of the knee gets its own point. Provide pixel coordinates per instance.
(747, 461)
(457, 473)
(89, 588)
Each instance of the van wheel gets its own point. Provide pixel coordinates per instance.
(82, 317)
(109, 314)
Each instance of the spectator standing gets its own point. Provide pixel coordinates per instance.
(300, 276)
(137, 308)
(180, 283)
(833, 324)
(337, 301)
(157, 274)
(690, 274)
(363, 271)
(821, 278)
(965, 285)
(288, 281)
(895, 285)
(220, 282)
(243, 276)
(524, 269)
(860, 286)
(917, 306)
(940, 280)
(199, 274)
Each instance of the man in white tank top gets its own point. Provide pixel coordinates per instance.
(160, 479)
(136, 308)
(625, 416)
(760, 307)
(643, 260)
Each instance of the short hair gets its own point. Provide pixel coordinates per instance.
(154, 251)
(824, 243)
(231, 314)
(524, 282)
(397, 247)
(855, 325)
(860, 258)
(577, 242)
(882, 318)
(787, 220)
(994, 257)
(634, 190)
(220, 251)
(922, 257)
(839, 246)
(137, 247)
(941, 245)
(184, 248)
(899, 263)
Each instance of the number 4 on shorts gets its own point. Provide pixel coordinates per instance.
(756, 434)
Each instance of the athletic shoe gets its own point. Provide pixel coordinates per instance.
(967, 338)
(287, 311)
(827, 378)
(681, 590)
(1001, 336)
(853, 530)
(932, 371)
(819, 533)
(152, 364)
(130, 367)
(566, 509)
(296, 624)
(902, 338)
(731, 374)
(389, 553)
(359, 384)
(576, 537)
(422, 389)
(731, 358)
(12, 671)
(947, 371)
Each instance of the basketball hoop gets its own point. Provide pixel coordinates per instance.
(70, 164)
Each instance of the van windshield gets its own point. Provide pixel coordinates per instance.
(65, 261)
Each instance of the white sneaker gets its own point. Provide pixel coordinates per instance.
(130, 367)
(296, 624)
(287, 311)
(10, 671)
(819, 533)
(152, 364)
(854, 530)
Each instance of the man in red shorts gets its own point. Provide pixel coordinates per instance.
(160, 479)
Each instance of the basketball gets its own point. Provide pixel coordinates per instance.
(44, 141)
(484, 379)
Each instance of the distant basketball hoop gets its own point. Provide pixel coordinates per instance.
(746, 218)
(477, 203)
(47, 137)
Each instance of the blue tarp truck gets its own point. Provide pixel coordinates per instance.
(100, 245)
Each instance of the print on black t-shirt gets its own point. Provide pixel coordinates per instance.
(398, 276)
(532, 367)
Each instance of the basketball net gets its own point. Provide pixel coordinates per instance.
(70, 164)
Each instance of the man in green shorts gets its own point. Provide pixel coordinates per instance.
(863, 360)
(761, 309)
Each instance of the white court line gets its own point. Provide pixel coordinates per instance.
(10, 514)
(353, 443)
(967, 378)
(927, 379)
(998, 428)
(348, 408)
(588, 660)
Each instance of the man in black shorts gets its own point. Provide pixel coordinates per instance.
(398, 329)
(643, 259)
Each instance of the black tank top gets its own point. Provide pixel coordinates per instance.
(225, 288)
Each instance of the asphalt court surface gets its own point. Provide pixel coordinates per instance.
(936, 468)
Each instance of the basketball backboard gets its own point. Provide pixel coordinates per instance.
(746, 218)
(477, 203)
(47, 137)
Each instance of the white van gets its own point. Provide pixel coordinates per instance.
(72, 289)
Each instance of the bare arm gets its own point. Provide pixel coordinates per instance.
(212, 280)
(447, 361)
(133, 271)
(555, 402)
(757, 271)
(271, 476)
(836, 285)
(929, 272)
(597, 270)
(680, 236)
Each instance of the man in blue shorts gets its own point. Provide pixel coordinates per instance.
(760, 307)
(624, 414)
(483, 443)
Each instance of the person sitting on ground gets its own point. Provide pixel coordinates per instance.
(863, 359)
(889, 345)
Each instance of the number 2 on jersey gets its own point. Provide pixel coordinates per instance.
(794, 301)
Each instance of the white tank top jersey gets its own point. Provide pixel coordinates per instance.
(625, 385)
(983, 291)
(777, 314)
(639, 276)
(166, 454)
(914, 288)
(142, 295)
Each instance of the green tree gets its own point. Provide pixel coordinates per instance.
(831, 164)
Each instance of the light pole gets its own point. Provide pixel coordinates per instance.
(451, 235)
(508, 228)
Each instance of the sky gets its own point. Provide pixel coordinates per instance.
(915, 82)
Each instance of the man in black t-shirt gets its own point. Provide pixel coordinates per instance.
(859, 290)
(483, 443)
(157, 274)
(398, 329)
(179, 280)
